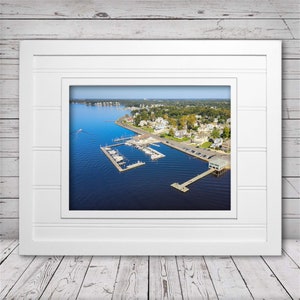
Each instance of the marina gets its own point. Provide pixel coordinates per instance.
(117, 159)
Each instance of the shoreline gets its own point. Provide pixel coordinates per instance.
(174, 144)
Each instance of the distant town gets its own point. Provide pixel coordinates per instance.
(204, 124)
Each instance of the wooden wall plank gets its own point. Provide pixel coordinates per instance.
(145, 29)
(290, 228)
(153, 9)
(294, 27)
(290, 128)
(9, 108)
(291, 109)
(195, 279)
(9, 128)
(67, 280)
(9, 228)
(291, 69)
(291, 208)
(9, 187)
(9, 166)
(100, 279)
(291, 167)
(290, 89)
(35, 278)
(9, 208)
(286, 9)
(163, 278)
(9, 147)
(291, 188)
(132, 278)
(259, 279)
(291, 147)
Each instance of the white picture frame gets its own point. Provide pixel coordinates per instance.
(253, 71)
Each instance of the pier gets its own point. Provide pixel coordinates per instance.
(123, 139)
(216, 165)
(116, 164)
(183, 186)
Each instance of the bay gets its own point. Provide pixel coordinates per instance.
(96, 184)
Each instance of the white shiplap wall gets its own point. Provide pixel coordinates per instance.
(152, 19)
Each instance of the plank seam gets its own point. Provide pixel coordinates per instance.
(242, 277)
(84, 277)
(276, 277)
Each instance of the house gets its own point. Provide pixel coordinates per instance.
(180, 133)
(160, 124)
(143, 123)
(217, 143)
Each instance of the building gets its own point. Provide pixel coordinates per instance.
(217, 163)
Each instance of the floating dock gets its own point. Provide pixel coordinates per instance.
(183, 186)
(106, 150)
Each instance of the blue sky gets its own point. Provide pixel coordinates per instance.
(149, 92)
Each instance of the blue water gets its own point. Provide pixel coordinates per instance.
(96, 184)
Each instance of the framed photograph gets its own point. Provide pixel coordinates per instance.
(150, 147)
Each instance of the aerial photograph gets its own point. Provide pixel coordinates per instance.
(149, 148)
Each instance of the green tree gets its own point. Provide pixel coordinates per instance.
(215, 133)
(190, 121)
(171, 132)
(226, 133)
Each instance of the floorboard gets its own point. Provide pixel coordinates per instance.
(226, 278)
(287, 272)
(142, 277)
(195, 279)
(67, 280)
(164, 278)
(132, 278)
(99, 282)
(35, 278)
(259, 279)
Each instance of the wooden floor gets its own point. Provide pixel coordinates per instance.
(84, 277)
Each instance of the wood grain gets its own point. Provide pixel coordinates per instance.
(226, 278)
(9, 208)
(153, 9)
(67, 280)
(35, 278)
(195, 278)
(11, 270)
(233, 19)
(9, 228)
(100, 278)
(287, 273)
(145, 29)
(9, 147)
(163, 278)
(132, 278)
(260, 279)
